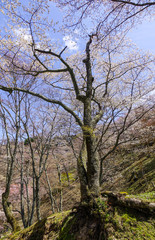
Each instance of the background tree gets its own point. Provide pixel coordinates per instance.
(43, 129)
(11, 122)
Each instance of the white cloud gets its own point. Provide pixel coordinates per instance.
(152, 93)
(71, 44)
(23, 35)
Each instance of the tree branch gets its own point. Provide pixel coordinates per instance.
(65, 107)
(138, 4)
(68, 68)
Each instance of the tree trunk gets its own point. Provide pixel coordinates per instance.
(82, 173)
(22, 195)
(37, 199)
(33, 202)
(89, 179)
(93, 164)
(50, 192)
(101, 172)
(127, 201)
(8, 212)
(88, 130)
(61, 193)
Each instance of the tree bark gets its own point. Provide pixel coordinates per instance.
(8, 212)
(37, 199)
(93, 163)
(50, 192)
(81, 161)
(61, 192)
(93, 166)
(89, 179)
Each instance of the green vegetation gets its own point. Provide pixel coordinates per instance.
(132, 170)
(131, 225)
(148, 196)
(65, 232)
(49, 226)
(102, 218)
(26, 142)
(70, 177)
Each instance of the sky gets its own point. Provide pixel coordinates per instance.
(143, 35)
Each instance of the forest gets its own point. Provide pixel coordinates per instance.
(77, 128)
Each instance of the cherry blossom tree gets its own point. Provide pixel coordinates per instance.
(96, 87)
(105, 17)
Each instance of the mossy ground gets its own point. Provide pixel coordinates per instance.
(47, 228)
(147, 196)
(130, 170)
(101, 221)
(129, 224)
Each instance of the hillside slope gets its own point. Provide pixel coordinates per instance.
(105, 221)
(131, 170)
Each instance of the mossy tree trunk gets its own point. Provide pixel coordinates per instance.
(88, 167)
(92, 165)
(8, 212)
(5, 196)
(82, 173)
(89, 176)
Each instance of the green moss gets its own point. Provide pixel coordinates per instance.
(47, 226)
(65, 232)
(93, 220)
(132, 225)
(101, 204)
(124, 193)
(149, 196)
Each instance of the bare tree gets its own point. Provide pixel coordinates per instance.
(50, 192)
(11, 123)
(43, 131)
(27, 200)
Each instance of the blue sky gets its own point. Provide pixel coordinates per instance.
(143, 35)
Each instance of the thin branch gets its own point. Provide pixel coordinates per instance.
(65, 107)
(138, 4)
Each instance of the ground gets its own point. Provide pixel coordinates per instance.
(101, 220)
